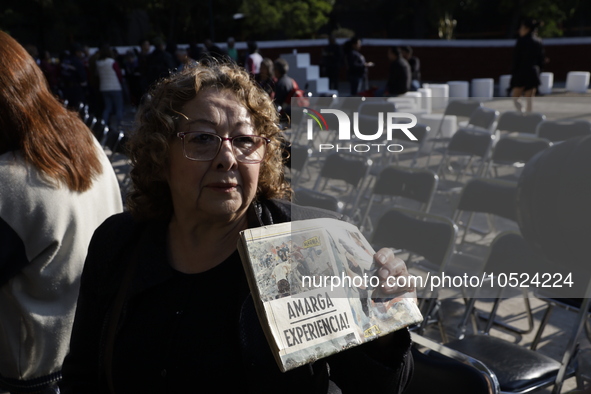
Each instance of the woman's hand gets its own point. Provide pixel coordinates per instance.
(394, 277)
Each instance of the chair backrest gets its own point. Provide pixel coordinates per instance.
(513, 149)
(113, 139)
(431, 236)
(420, 131)
(484, 118)
(415, 183)
(487, 195)
(435, 373)
(312, 198)
(350, 168)
(297, 156)
(517, 122)
(561, 130)
(470, 141)
(463, 108)
(91, 121)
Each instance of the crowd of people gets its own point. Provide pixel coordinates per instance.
(109, 81)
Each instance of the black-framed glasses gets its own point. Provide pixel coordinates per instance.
(200, 146)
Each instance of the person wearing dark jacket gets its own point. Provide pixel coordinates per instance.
(400, 75)
(528, 59)
(159, 63)
(415, 66)
(164, 303)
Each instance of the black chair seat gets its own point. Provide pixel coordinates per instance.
(516, 367)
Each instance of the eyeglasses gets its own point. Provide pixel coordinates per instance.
(200, 146)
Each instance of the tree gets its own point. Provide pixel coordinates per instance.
(291, 19)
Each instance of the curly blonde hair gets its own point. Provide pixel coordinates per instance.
(157, 125)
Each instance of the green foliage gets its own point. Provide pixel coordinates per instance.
(552, 13)
(293, 19)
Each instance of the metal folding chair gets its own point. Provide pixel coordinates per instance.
(100, 131)
(467, 143)
(518, 369)
(561, 130)
(517, 122)
(297, 162)
(312, 198)
(489, 196)
(514, 151)
(395, 181)
(461, 108)
(346, 173)
(432, 237)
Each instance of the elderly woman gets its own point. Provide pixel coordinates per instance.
(164, 304)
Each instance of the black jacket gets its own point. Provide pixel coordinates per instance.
(112, 247)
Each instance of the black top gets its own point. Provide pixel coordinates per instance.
(528, 59)
(197, 333)
(415, 68)
(356, 64)
(399, 77)
(204, 308)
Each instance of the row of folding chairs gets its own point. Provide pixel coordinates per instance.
(512, 368)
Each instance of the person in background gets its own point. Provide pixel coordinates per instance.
(284, 86)
(254, 59)
(110, 85)
(182, 55)
(266, 77)
(356, 66)
(232, 52)
(159, 63)
(399, 76)
(56, 187)
(213, 50)
(73, 76)
(51, 70)
(528, 59)
(332, 60)
(207, 164)
(415, 66)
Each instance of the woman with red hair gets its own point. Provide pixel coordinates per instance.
(56, 187)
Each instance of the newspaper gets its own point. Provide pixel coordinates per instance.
(314, 286)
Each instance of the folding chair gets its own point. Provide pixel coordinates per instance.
(430, 236)
(442, 370)
(483, 118)
(461, 108)
(561, 130)
(394, 181)
(348, 170)
(514, 151)
(470, 144)
(312, 198)
(113, 140)
(517, 122)
(518, 369)
(490, 196)
(420, 131)
(100, 131)
(507, 253)
(297, 161)
(90, 121)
